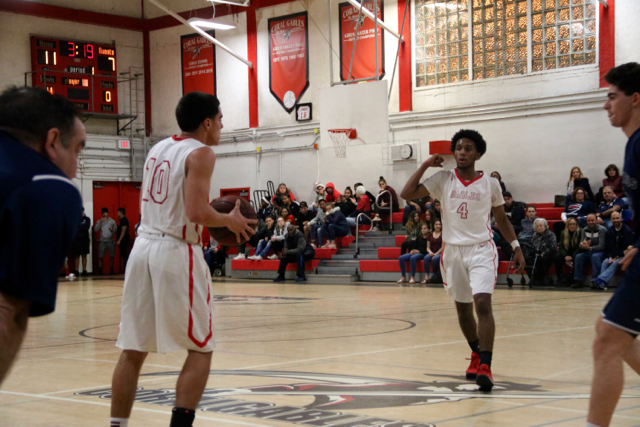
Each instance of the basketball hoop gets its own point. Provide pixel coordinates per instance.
(340, 137)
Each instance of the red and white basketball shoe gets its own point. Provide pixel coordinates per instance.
(472, 370)
(484, 378)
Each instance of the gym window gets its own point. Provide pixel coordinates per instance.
(501, 38)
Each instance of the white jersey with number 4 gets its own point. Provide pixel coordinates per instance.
(466, 206)
(163, 200)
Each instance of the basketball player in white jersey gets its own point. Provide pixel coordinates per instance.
(469, 262)
(167, 303)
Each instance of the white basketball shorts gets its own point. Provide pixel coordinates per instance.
(469, 270)
(167, 303)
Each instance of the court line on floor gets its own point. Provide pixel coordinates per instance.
(135, 408)
(584, 417)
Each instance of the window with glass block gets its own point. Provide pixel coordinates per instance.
(556, 33)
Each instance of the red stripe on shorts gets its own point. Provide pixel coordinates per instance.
(184, 232)
(495, 265)
(191, 337)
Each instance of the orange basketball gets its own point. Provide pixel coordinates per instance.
(226, 204)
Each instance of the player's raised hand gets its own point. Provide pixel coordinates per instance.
(518, 260)
(241, 226)
(434, 161)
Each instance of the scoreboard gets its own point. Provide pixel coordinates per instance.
(84, 72)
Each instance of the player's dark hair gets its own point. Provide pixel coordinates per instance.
(626, 77)
(121, 210)
(105, 210)
(473, 135)
(194, 108)
(31, 112)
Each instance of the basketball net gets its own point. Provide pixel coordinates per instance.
(340, 137)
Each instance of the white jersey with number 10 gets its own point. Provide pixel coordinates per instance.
(466, 206)
(163, 200)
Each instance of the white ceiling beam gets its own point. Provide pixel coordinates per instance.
(203, 33)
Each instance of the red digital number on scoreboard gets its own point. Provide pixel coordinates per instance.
(84, 72)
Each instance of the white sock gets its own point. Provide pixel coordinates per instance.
(119, 422)
(591, 425)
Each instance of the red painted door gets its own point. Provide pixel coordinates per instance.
(114, 195)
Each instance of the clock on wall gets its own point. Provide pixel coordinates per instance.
(406, 151)
(84, 72)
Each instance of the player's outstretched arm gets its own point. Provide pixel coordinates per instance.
(414, 189)
(506, 229)
(199, 168)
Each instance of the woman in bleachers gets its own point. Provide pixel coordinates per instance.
(577, 207)
(412, 231)
(283, 189)
(335, 226)
(265, 241)
(388, 199)
(496, 175)
(434, 252)
(347, 203)
(417, 253)
(577, 179)
(286, 215)
(569, 245)
(430, 218)
(419, 205)
(546, 248)
(364, 206)
(277, 240)
(437, 208)
(265, 209)
(614, 180)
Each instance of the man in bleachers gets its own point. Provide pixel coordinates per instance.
(591, 250)
(311, 229)
(514, 210)
(304, 215)
(527, 224)
(297, 250)
(616, 242)
(610, 205)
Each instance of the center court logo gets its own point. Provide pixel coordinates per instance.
(334, 394)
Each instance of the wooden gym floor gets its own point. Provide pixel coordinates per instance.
(319, 355)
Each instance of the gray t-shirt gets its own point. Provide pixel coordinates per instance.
(107, 229)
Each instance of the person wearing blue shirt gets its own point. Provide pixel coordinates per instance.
(610, 205)
(41, 136)
(619, 325)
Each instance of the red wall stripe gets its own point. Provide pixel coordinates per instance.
(404, 59)
(607, 40)
(75, 15)
(252, 52)
(146, 47)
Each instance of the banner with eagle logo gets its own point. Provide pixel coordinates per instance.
(198, 64)
(288, 58)
(364, 59)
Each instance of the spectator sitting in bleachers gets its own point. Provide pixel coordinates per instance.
(283, 189)
(318, 187)
(348, 194)
(577, 207)
(617, 241)
(304, 216)
(387, 199)
(347, 203)
(296, 250)
(430, 217)
(412, 231)
(364, 206)
(527, 224)
(253, 240)
(286, 215)
(496, 175)
(418, 252)
(591, 251)
(569, 245)
(335, 225)
(515, 213)
(265, 210)
(437, 208)
(577, 179)
(331, 194)
(370, 196)
(419, 205)
(277, 205)
(546, 248)
(264, 245)
(277, 240)
(614, 180)
(292, 207)
(311, 229)
(434, 252)
(610, 205)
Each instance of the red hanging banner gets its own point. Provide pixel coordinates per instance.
(198, 64)
(288, 58)
(364, 59)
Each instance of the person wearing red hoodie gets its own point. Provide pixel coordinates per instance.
(331, 194)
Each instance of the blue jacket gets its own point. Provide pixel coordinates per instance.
(337, 218)
(615, 242)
